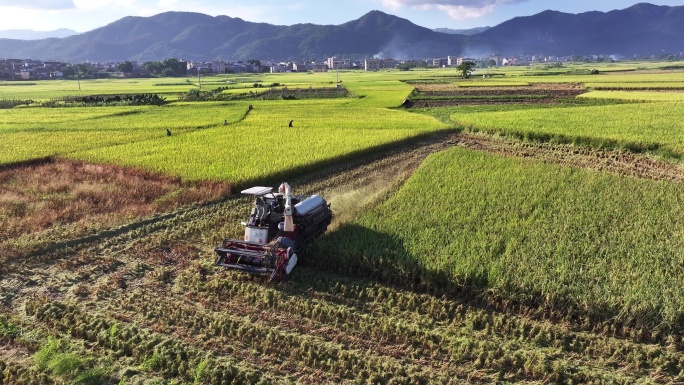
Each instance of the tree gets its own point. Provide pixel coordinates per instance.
(491, 63)
(125, 67)
(69, 71)
(403, 66)
(466, 69)
(180, 68)
(85, 70)
(152, 67)
(169, 67)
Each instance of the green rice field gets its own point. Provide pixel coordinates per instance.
(583, 241)
(526, 227)
(638, 126)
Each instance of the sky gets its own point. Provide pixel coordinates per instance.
(86, 15)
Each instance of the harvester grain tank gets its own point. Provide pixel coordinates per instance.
(279, 228)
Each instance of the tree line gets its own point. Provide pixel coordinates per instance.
(165, 68)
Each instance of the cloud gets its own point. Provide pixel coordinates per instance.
(39, 4)
(456, 9)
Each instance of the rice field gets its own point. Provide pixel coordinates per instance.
(29, 133)
(263, 147)
(510, 261)
(604, 246)
(650, 126)
(636, 96)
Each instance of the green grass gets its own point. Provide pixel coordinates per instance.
(597, 244)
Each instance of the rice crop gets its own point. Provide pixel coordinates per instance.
(262, 146)
(46, 89)
(647, 126)
(636, 95)
(575, 242)
(29, 133)
(636, 86)
(144, 304)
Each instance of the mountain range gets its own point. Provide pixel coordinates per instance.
(28, 34)
(640, 29)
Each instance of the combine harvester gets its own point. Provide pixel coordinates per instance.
(279, 228)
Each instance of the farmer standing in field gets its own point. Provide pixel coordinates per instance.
(290, 125)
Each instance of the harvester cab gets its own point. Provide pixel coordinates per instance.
(279, 228)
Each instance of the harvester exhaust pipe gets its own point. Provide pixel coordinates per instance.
(289, 222)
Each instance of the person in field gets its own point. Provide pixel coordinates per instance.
(225, 122)
(168, 132)
(290, 125)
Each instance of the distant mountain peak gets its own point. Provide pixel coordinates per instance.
(647, 8)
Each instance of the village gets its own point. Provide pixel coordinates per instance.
(28, 69)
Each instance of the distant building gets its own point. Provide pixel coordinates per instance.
(299, 67)
(25, 74)
(319, 68)
(509, 61)
(371, 64)
(461, 60)
(280, 68)
(338, 64)
(377, 64)
(218, 67)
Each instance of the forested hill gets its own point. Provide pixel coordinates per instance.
(640, 29)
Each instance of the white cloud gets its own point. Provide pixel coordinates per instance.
(456, 9)
(38, 4)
